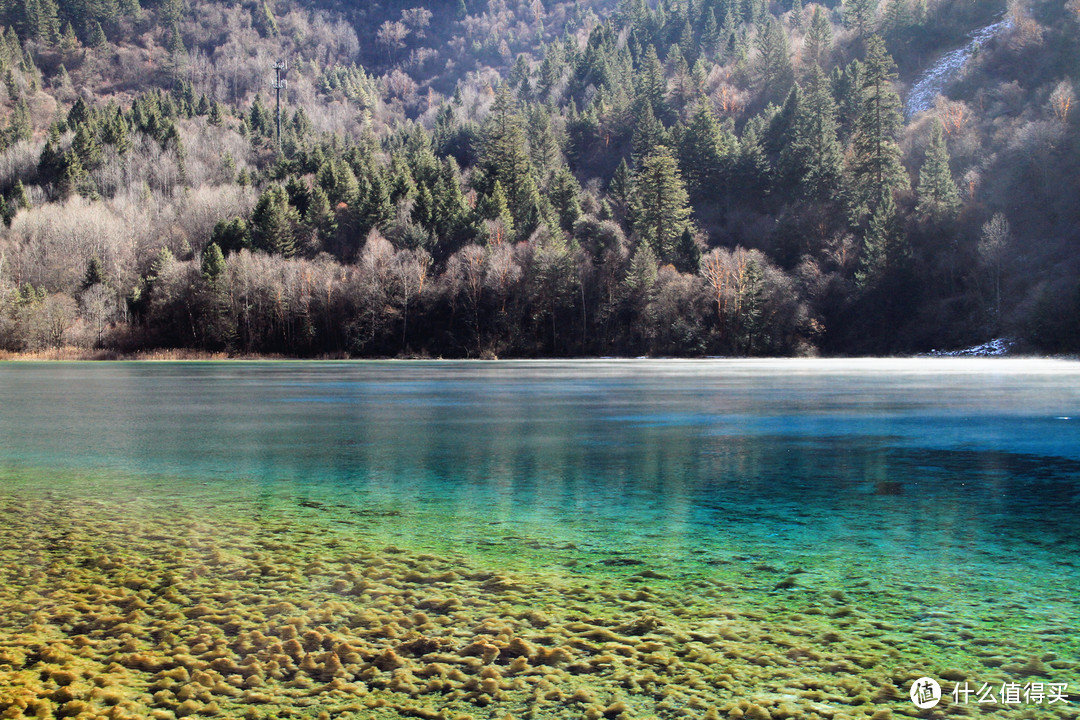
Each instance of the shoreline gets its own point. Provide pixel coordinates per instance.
(76, 354)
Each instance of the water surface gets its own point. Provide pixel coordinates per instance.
(924, 511)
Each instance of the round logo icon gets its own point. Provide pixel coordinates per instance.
(925, 693)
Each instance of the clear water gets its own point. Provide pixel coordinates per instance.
(942, 496)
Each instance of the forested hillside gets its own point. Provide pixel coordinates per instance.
(536, 178)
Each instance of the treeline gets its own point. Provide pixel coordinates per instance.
(694, 177)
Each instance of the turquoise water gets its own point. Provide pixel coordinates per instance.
(932, 491)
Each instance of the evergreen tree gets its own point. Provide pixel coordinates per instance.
(320, 216)
(659, 207)
(777, 75)
(649, 133)
(495, 208)
(939, 199)
(19, 198)
(812, 157)
(818, 38)
(875, 159)
(885, 252)
(649, 83)
(861, 15)
(273, 223)
(231, 235)
(264, 21)
(504, 156)
(177, 49)
(564, 198)
(95, 273)
(87, 147)
(97, 36)
(20, 127)
(215, 118)
(213, 263)
(69, 41)
(704, 149)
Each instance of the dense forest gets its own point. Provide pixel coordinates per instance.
(477, 178)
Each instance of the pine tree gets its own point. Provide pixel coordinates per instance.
(320, 216)
(215, 117)
(860, 15)
(69, 41)
(264, 21)
(564, 198)
(231, 235)
(777, 74)
(213, 263)
(20, 128)
(704, 150)
(87, 147)
(170, 12)
(504, 156)
(95, 273)
(813, 157)
(177, 49)
(97, 36)
(19, 197)
(885, 252)
(875, 167)
(659, 207)
(495, 208)
(649, 133)
(818, 38)
(273, 223)
(650, 85)
(939, 199)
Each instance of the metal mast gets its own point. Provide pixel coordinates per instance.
(279, 67)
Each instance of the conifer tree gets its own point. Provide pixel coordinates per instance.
(504, 156)
(861, 15)
(19, 196)
(87, 147)
(875, 167)
(213, 263)
(273, 223)
(649, 133)
(812, 156)
(564, 198)
(659, 207)
(69, 41)
(20, 127)
(939, 199)
(818, 38)
(885, 251)
(777, 74)
(704, 150)
(231, 235)
(95, 273)
(320, 216)
(97, 36)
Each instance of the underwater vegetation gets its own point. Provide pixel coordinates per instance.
(163, 608)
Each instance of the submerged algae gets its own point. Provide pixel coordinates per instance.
(142, 609)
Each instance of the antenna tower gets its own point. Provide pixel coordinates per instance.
(279, 67)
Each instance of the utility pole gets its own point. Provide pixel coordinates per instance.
(279, 67)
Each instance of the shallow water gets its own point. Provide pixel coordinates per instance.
(801, 537)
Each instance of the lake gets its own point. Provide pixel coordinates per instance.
(631, 539)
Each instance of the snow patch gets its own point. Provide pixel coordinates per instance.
(994, 348)
(932, 82)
